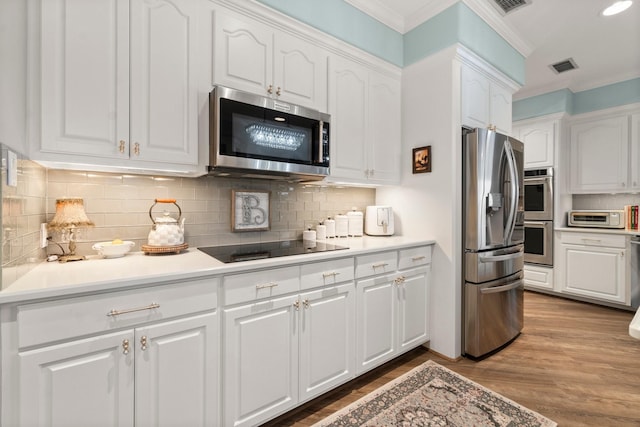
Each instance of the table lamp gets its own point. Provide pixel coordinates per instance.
(68, 219)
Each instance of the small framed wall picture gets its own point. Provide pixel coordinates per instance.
(250, 210)
(421, 159)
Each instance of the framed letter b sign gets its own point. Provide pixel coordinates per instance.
(249, 210)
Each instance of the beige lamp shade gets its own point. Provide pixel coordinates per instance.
(69, 214)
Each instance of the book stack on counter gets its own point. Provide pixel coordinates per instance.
(631, 215)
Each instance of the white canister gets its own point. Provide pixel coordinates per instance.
(309, 235)
(321, 232)
(356, 223)
(342, 226)
(331, 227)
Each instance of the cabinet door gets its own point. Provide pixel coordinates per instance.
(599, 155)
(85, 103)
(164, 66)
(384, 135)
(243, 54)
(539, 141)
(635, 152)
(176, 373)
(376, 321)
(300, 72)
(348, 100)
(79, 383)
(413, 308)
(475, 98)
(500, 108)
(594, 272)
(260, 360)
(327, 339)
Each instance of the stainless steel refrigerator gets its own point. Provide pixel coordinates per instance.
(493, 237)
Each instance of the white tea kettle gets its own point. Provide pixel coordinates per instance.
(166, 230)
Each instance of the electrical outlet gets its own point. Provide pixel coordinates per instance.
(43, 235)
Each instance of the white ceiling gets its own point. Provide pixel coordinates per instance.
(606, 49)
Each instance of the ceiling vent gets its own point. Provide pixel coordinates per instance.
(562, 66)
(507, 6)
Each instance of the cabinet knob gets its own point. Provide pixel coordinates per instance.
(279, 91)
(399, 280)
(296, 305)
(143, 342)
(136, 149)
(121, 146)
(270, 89)
(305, 303)
(125, 346)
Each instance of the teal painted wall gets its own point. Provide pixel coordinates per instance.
(457, 24)
(565, 101)
(347, 23)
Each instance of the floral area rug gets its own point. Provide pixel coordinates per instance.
(432, 395)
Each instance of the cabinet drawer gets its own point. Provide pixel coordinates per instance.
(379, 263)
(327, 273)
(260, 284)
(50, 321)
(594, 239)
(414, 257)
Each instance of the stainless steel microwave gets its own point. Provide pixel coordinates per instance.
(254, 136)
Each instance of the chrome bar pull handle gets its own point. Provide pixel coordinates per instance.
(332, 274)
(115, 312)
(418, 258)
(266, 285)
(382, 264)
(143, 343)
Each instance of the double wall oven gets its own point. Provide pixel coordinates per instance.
(538, 216)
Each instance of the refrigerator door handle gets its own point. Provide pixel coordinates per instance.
(503, 288)
(494, 258)
(514, 184)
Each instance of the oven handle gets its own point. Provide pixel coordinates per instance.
(534, 181)
(540, 223)
(635, 242)
(507, 257)
(503, 288)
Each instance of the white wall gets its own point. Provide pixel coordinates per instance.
(429, 204)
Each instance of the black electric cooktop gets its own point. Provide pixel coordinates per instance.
(253, 251)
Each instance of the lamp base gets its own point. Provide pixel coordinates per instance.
(69, 258)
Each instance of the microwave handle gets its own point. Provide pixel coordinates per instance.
(321, 142)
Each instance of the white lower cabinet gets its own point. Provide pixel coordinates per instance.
(145, 373)
(538, 277)
(593, 265)
(392, 308)
(281, 351)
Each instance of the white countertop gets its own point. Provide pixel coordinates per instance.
(600, 230)
(53, 279)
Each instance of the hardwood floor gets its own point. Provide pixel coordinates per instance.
(574, 363)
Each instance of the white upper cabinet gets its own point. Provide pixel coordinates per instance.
(539, 143)
(365, 123)
(118, 83)
(485, 103)
(256, 58)
(600, 155)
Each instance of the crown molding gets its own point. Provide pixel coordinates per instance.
(380, 12)
(495, 20)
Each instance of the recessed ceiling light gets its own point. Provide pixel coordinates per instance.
(617, 7)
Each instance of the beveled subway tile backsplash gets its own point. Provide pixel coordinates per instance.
(119, 206)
